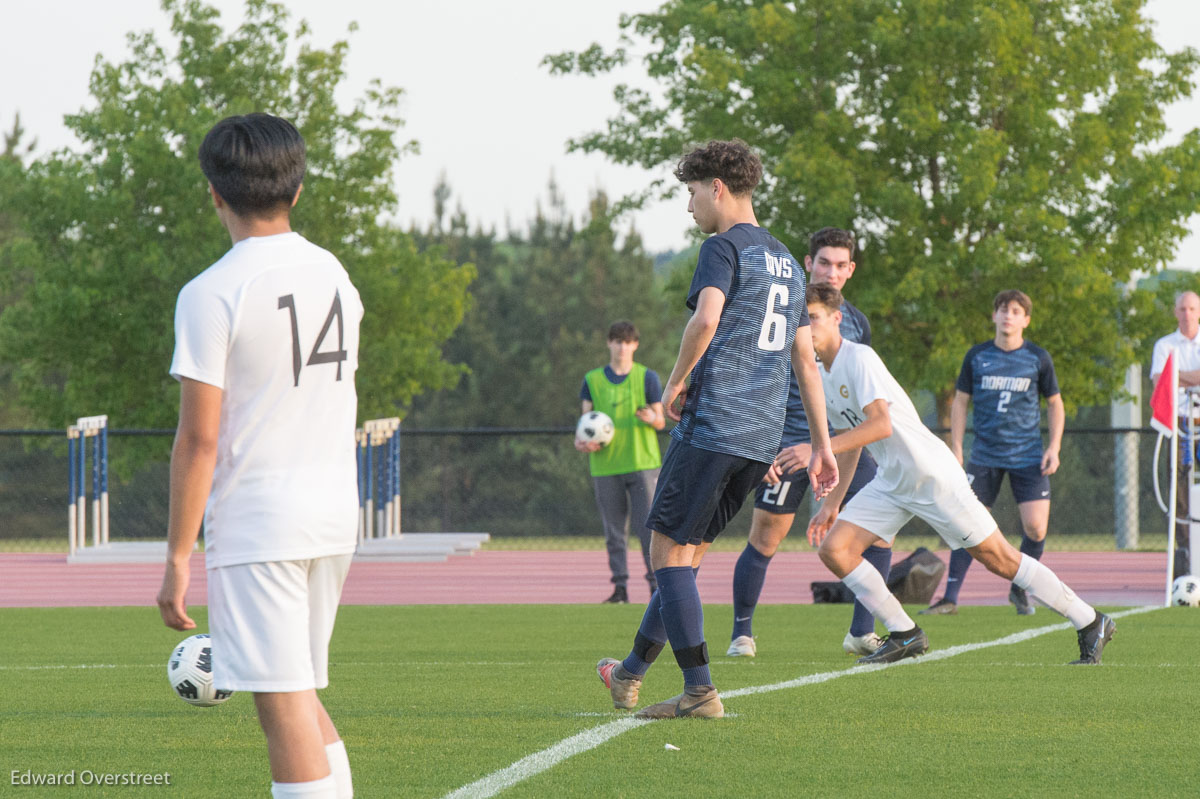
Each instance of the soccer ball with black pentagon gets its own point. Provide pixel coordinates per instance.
(595, 426)
(190, 671)
(1185, 591)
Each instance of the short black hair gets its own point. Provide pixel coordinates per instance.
(830, 237)
(824, 295)
(623, 331)
(255, 162)
(733, 162)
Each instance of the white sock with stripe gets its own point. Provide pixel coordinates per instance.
(1053, 592)
(870, 589)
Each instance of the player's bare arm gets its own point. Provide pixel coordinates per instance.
(822, 467)
(193, 459)
(876, 427)
(652, 415)
(587, 446)
(822, 521)
(696, 337)
(1056, 415)
(958, 423)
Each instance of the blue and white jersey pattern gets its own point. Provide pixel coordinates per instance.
(738, 389)
(1006, 388)
(854, 327)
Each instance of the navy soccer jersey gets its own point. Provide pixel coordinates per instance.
(738, 389)
(854, 327)
(1006, 389)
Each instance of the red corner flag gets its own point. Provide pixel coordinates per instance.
(1165, 417)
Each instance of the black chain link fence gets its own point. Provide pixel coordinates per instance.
(528, 482)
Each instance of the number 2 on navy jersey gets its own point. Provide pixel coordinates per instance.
(773, 335)
(1002, 405)
(316, 356)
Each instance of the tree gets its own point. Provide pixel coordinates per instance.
(113, 230)
(545, 298)
(974, 146)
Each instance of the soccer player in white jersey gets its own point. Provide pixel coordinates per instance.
(918, 476)
(266, 347)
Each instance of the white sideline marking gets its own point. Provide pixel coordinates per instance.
(532, 765)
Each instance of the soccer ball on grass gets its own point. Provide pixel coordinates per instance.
(190, 671)
(595, 426)
(1185, 591)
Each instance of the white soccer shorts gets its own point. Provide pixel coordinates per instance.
(953, 511)
(271, 623)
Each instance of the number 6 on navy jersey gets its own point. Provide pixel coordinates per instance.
(316, 356)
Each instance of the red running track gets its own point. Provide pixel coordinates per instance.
(523, 577)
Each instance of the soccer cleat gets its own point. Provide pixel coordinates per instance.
(620, 596)
(861, 644)
(898, 646)
(1018, 597)
(943, 607)
(742, 646)
(1092, 640)
(696, 702)
(622, 686)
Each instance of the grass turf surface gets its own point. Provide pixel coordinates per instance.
(432, 698)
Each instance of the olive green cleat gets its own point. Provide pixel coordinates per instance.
(622, 686)
(696, 702)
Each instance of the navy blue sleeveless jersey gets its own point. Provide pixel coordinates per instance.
(1006, 389)
(738, 389)
(854, 327)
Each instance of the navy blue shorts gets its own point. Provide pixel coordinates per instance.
(1027, 483)
(783, 498)
(700, 491)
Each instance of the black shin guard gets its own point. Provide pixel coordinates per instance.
(693, 656)
(646, 649)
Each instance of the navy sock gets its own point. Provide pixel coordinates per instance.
(1033, 549)
(960, 561)
(862, 622)
(683, 617)
(651, 631)
(748, 577)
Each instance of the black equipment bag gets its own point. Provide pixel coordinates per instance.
(913, 581)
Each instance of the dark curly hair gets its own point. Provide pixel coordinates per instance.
(733, 162)
(830, 237)
(824, 295)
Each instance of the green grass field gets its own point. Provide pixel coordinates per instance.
(433, 698)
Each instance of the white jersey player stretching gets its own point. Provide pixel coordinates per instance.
(918, 476)
(266, 346)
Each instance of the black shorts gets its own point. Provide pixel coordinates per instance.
(699, 491)
(783, 498)
(1027, 483)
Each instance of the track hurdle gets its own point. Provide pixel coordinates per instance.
(378, 452)
(95, 428)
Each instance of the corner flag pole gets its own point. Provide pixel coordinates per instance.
(1164, 418)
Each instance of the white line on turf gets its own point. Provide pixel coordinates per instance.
(532, 765)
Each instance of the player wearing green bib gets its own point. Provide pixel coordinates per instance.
(625, 471)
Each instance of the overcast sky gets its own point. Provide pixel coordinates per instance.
(476, 99)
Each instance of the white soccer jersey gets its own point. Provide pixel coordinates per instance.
(274, 324)
(912, 460)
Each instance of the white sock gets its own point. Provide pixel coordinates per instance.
(324, 788)
(339, 764)
(1052, 592)
(870, 589)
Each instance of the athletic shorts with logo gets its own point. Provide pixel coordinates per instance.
(271, 623)
(699, 491)
(784, 497)
(1027, 482)
(947, 504)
